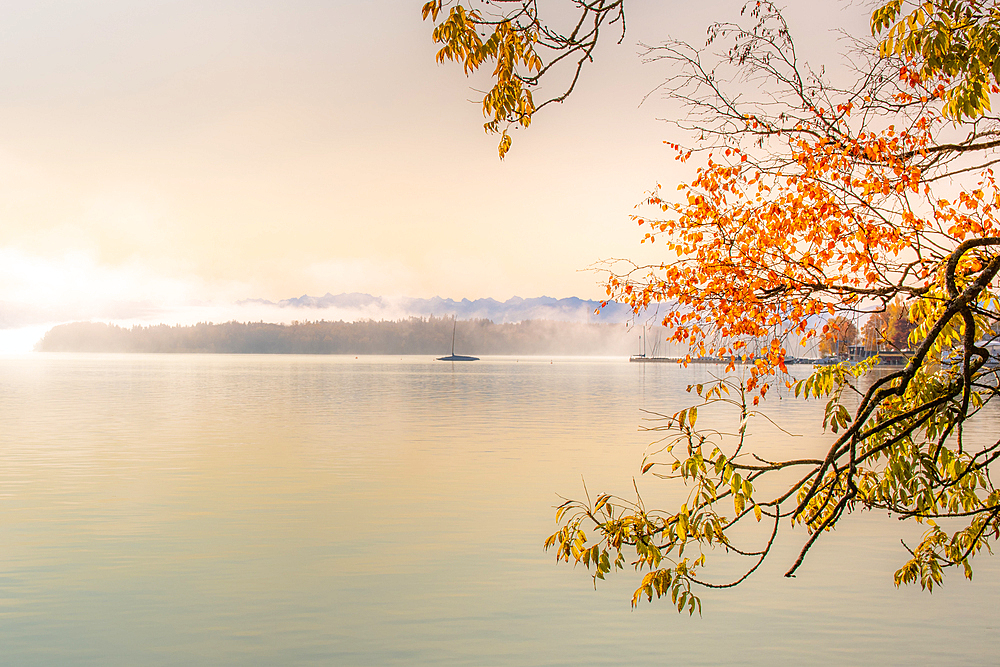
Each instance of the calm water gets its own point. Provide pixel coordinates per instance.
(286, 510)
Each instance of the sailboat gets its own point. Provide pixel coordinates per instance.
(653, 358)
(456, 357)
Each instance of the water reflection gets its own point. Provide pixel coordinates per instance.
(333, 510)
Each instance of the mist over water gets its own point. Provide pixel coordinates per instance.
(414, 336)
(232, 509)
(23, 323)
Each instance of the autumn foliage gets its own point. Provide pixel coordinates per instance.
(817, 206)
(811, 204)
(889, 329)
(511, 36)
(766, 253)
(840, 333)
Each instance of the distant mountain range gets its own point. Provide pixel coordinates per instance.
(515, 309)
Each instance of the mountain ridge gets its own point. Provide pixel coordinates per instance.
(514, 309)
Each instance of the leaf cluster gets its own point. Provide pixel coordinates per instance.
(957, 41)
(512, 35)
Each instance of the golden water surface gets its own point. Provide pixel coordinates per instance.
(295, 510)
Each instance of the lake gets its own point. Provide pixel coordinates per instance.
(300, 510)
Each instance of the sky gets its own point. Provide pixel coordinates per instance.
(161, 160)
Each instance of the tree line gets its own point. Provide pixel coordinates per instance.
(887, 330)
(416, 335)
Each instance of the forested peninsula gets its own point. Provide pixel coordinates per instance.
(431, 336)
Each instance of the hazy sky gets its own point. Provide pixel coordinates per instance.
(155, 155)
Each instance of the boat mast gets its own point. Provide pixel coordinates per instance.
(453, 329)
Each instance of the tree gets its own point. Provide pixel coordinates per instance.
(840, 334)
(814, 200)
(889, 329)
